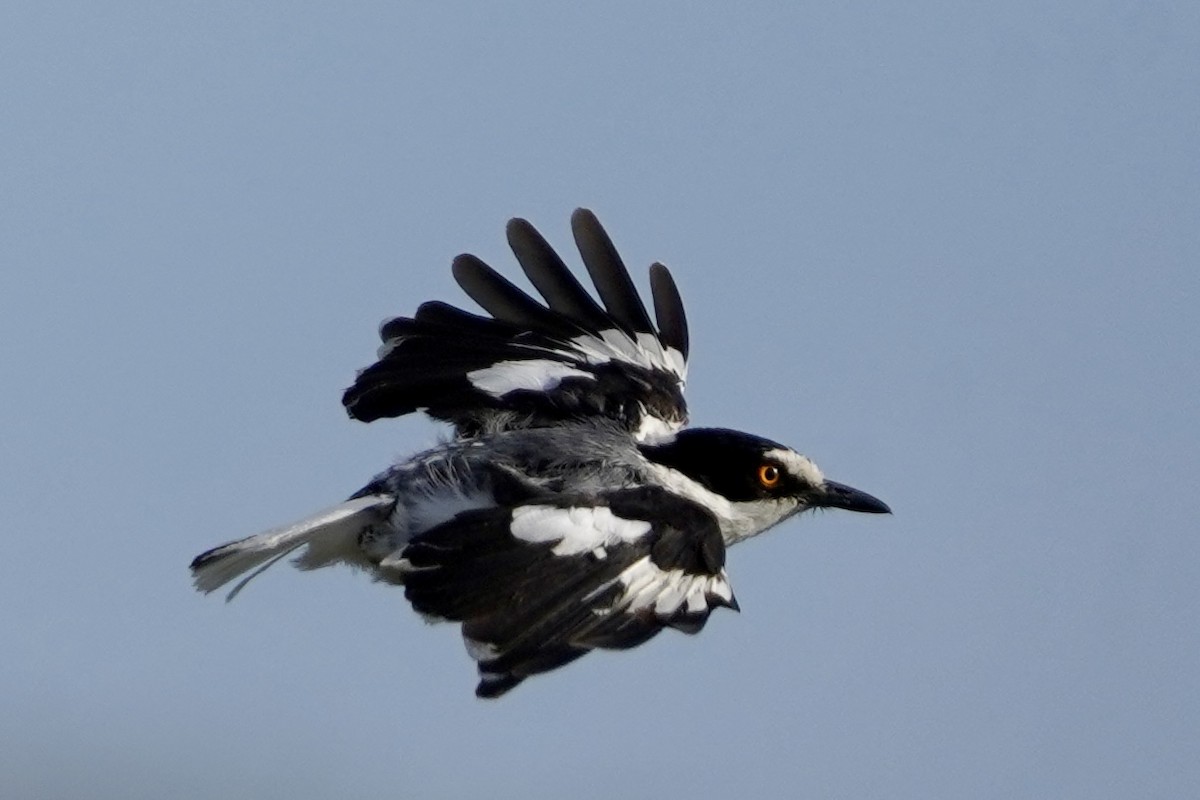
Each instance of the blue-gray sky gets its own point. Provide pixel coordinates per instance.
(952, 252)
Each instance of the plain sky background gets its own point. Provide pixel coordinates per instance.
(949, 250)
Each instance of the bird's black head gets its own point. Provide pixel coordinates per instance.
(765, 479)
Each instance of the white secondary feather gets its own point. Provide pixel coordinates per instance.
(576, 530)
(676, 362)
(653, 429)
(332, 535)
(648, 587)
(646, 351)
(538, 375)
(628, 349)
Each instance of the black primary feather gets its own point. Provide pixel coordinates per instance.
(550, 276)
(503, 300)
(529, 364)
(668, 309)
(608, 272)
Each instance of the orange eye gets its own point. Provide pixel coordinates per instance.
(768, 476)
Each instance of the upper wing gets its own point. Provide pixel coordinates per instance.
(539, 585)
(532, 364)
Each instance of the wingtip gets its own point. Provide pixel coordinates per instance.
(463, 266)
(669, 309)
(609, 274)
(586, 227)
(516, 227)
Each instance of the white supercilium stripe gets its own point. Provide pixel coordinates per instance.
(798, 465)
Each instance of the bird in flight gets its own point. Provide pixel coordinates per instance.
(572, 509)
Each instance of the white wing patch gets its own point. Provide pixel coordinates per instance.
(676, 362)
(538, 375)
(653, 429)
(576, 530)
(646, 351)
(647, 587)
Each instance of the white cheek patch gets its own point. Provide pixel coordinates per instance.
(576, 530)
(538, 375)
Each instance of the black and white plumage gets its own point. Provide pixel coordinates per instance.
(572, 510)
(533, 364)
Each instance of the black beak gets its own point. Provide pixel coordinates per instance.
(839, 495)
